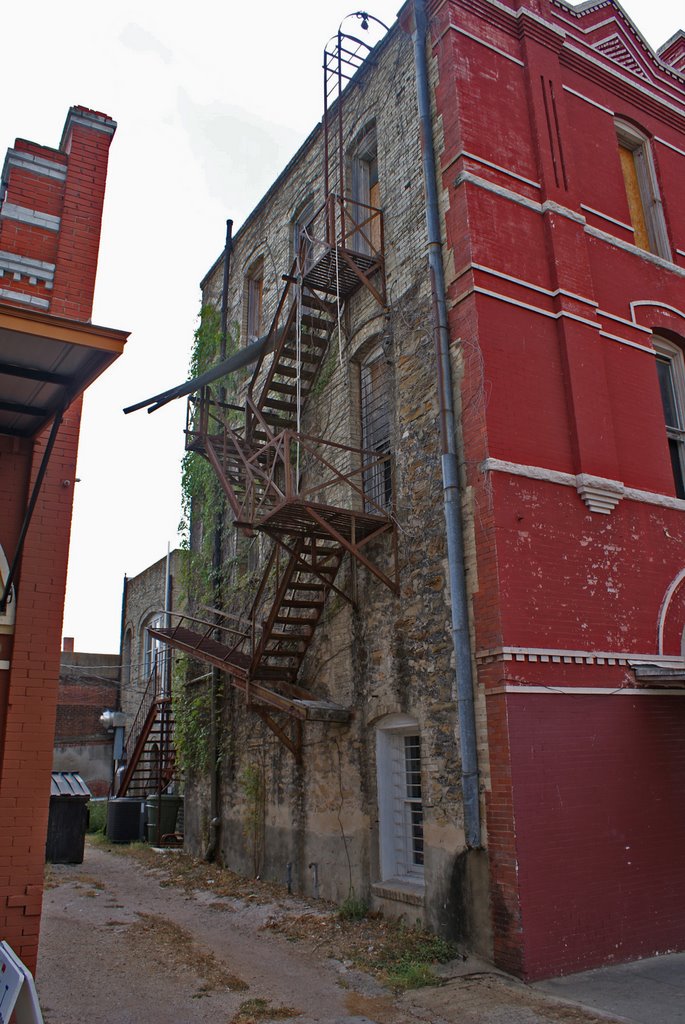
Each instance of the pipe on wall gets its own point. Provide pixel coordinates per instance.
(450, 467)
(213, 845)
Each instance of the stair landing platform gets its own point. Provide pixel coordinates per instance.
(296, 702)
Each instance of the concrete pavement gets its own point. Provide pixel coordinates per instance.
(650, 991)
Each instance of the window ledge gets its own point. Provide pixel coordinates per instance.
(402, 890)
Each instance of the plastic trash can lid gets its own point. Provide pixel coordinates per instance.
(69, 784)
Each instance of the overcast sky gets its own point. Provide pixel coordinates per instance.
(211, 99)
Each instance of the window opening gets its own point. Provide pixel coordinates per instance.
(366, 194)
(6, 615)
(155, 653)
(670, 370)
(642, 191)
(255, 289)
(413, 801)
(375, 415)
(400, 801)
(301, 232)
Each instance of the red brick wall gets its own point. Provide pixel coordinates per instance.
(584, 805)
(73, 191)
(89, 684)
(30, 716)
(598, 781)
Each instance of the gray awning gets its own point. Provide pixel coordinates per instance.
(45, 363)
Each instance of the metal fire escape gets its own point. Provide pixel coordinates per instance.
(314, 498)
(149, 754)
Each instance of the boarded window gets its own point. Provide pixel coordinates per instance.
(366, 194)
(642, 192)
(254, 291)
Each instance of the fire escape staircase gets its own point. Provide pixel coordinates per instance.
(316, 500)
(310, 496)
(149, 753)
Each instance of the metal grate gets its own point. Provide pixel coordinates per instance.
(413, 803)
(375, 412)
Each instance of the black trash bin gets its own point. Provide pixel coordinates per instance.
(125, 819)
(68, 819)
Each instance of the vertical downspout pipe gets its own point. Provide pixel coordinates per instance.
(450, 466)
(122, 631)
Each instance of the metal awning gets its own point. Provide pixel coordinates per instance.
(45, 363)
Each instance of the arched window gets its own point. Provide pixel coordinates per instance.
(642, 190)
(670, 370)
(154, 655)
(376, 424)
(300, 229)
(400, 803)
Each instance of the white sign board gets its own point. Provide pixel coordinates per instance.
(17, 990)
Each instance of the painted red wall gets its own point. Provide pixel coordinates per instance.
(73, 192)
(600, 846)
(552, 314)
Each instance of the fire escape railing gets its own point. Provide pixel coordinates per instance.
(155, 703)
(287, 466)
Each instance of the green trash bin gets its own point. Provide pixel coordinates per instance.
(169, 814)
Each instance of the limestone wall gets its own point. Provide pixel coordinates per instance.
(388, 655)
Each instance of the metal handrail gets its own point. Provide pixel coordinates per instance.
(146, 702)
(342, 226)
(320, 480)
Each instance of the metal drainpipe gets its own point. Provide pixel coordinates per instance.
(122, 633)
(214, 727)
(450, 467)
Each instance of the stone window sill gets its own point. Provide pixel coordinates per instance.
(402, 890)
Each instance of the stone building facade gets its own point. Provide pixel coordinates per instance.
(368, 656)
(560, 140)
(144, 600)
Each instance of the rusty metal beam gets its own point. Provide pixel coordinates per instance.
(294, 745)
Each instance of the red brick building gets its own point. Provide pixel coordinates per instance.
(562, 161)
(88, 685)
(50, 214)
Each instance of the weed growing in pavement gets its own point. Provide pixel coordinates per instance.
(254, 1010)
(410, 973)
(353, 909)
(98, 839)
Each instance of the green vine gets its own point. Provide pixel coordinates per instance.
(192, 719)
(326, 373)
(202, 499)
(254, 823)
